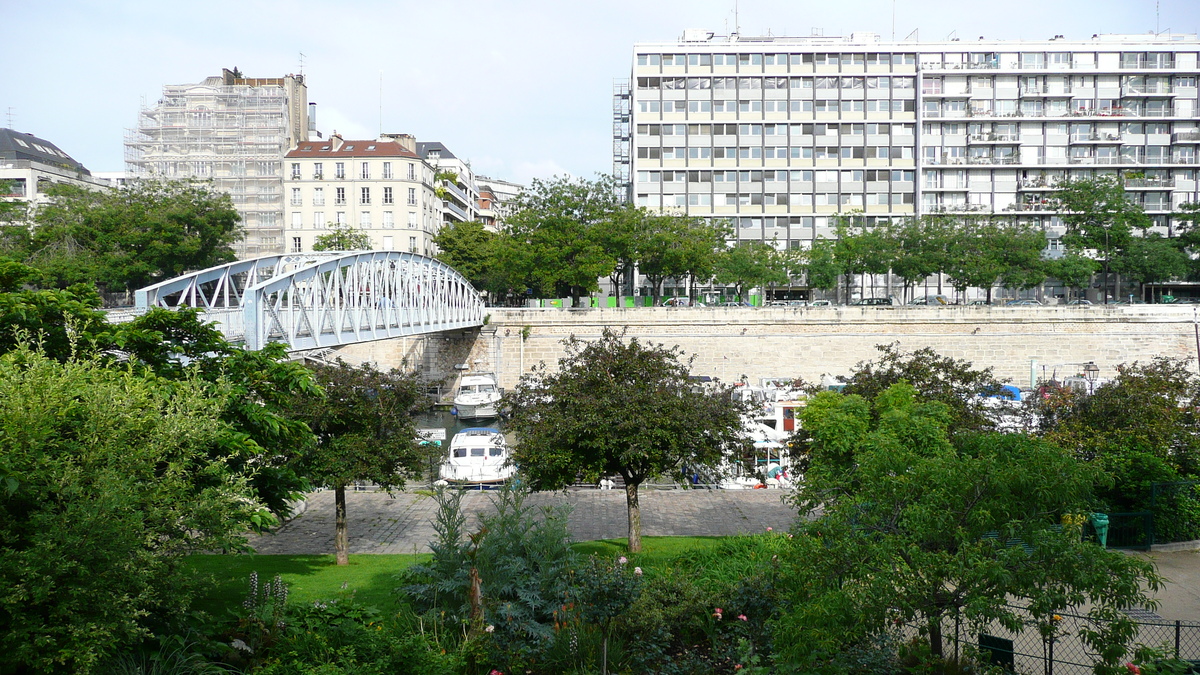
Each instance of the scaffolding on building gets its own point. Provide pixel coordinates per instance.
(233, 132)
(621, 113)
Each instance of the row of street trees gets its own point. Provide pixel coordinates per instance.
(564, 235)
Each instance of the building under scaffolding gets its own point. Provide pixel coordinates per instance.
(233, 131)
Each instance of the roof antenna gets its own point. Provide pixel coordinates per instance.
(301, 63)
(10, 117)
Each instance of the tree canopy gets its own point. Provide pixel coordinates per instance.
(343, 237)
(364, 431)
(106, 480)
(555, 236)
(917, 528)
(617, 406)
(130, 238)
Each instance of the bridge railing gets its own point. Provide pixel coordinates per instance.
(324, 299)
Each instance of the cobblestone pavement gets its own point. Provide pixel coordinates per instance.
(403, 523)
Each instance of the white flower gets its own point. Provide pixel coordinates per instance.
(490, 629)
(637, 571)
(622, 560)
(238, 644)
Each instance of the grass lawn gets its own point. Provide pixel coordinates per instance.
(372, 578)
(309, 577)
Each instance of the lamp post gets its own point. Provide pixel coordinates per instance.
(1090, 370)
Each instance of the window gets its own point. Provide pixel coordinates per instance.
(389, 243)
(295, 170)
(412, 196)
(297, 220)
(412, 220)
(318, 171)
(339, 196)
(387, 195)
(366, 171)
(387, 170)
(412, 244)
(318, 220)
(340, 217)
(364, 196)
(412, 171)
(388, 220)
(364, 219)
(318, 196)
(296, 246)
(339, 170)
(296, 200)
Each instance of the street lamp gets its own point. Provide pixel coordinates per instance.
(1090, 370)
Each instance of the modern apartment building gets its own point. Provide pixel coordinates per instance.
(780, 135)
(30, 165)
(382, 187)
(460, 195)
(234, 131)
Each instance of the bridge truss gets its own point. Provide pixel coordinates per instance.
(328, 299)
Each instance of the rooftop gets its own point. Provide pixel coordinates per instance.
(349, 148)
(15, 145)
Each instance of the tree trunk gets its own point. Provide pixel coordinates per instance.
(935, 637)
(341, 540)
(635, 516)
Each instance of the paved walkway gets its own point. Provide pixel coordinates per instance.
(403, 523)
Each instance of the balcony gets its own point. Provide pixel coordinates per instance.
(994, 138)
(1186, 137)
(1096, 138)
(1094, 160)
(1040, 183)
(993, 160)
(1149, 183)
(455, 209)
(1147, 90)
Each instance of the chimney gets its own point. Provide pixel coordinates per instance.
(408, 142)
(335, 141)
(312, 116)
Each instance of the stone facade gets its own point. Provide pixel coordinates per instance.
(810, 342)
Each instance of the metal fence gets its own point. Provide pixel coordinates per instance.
(1055, 648)
(1177, 509)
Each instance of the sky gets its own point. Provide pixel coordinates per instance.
(522, 89)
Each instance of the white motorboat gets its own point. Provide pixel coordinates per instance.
(478, 455)
(477, 396)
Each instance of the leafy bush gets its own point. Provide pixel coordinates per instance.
(507, 584)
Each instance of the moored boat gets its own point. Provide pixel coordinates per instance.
(477, 397)
(477, 455)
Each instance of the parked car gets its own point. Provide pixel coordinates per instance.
(734, 303)
(931, 300)
(1026, 302)
(1080, 302)
(820, 303)
(787, 303)
(873, 302)
(682, 302)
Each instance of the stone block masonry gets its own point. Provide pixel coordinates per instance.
(810, 342)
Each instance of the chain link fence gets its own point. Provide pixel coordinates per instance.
(1055, 648)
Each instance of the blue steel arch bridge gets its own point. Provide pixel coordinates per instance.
(326, 299)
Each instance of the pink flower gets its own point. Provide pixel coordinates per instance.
(637, 571)
(769, 529)
(495, 672)
(622, 560)
(737, 667)
(717, 614)
(1133, 669)
(742, 617)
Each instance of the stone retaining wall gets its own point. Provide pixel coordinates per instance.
(810, 342)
